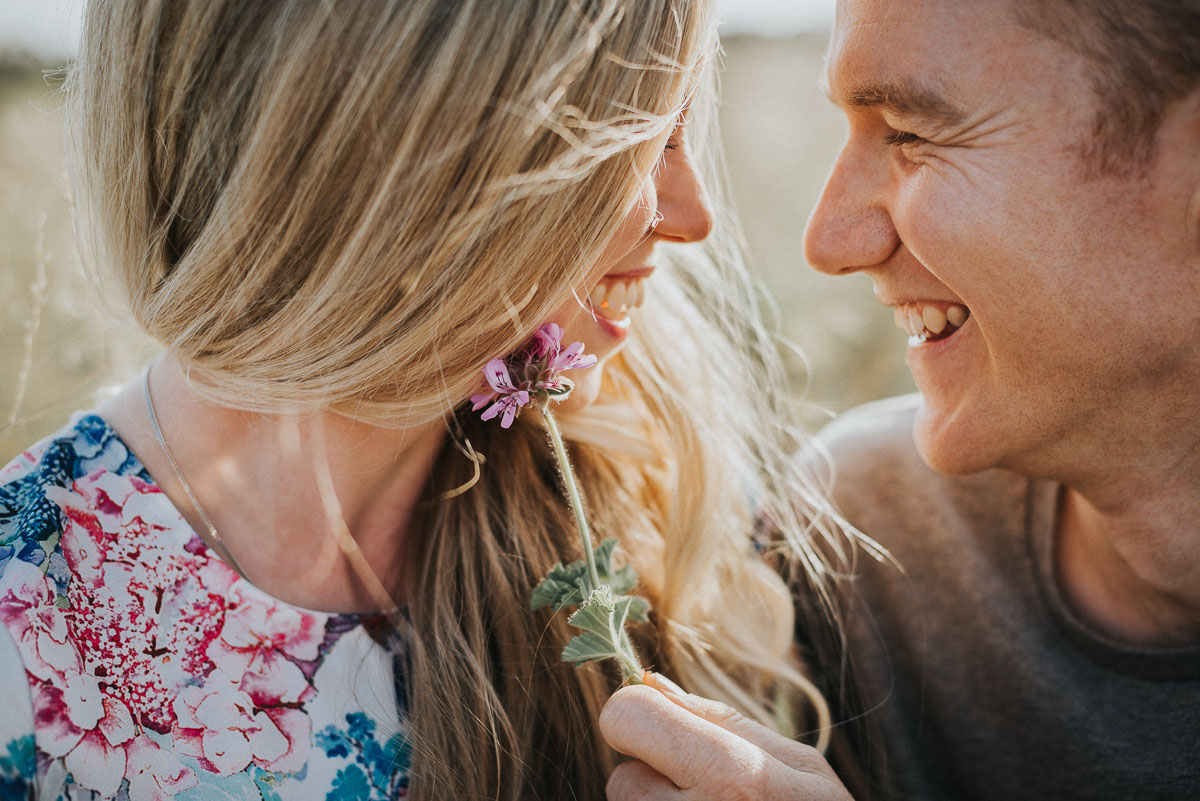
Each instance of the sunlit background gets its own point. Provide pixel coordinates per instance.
(60, 348)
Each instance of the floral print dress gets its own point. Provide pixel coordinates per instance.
(135, 665)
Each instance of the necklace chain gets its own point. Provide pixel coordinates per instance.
(214, 538)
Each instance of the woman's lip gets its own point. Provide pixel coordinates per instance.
(617, 329)
(640, 272)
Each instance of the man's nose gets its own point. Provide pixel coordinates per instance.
(683, 206)
(851, 228)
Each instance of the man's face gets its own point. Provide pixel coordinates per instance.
(963, 191)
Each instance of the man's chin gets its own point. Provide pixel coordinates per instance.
(947, 443)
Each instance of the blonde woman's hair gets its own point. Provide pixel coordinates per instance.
(350, 206)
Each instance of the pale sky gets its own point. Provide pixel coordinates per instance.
(50, 27)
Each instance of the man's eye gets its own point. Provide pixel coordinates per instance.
(902, 138)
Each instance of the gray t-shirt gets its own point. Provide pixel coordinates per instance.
(982, 682)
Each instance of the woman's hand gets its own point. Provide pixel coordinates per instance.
(687, 747)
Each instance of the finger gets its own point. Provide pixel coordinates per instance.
(795, 755)
(687, 749)
(637, 781)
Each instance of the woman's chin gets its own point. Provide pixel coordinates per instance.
(587, 390)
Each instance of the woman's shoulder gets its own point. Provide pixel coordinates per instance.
(34, 485)
(146, 664)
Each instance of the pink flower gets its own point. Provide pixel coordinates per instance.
(573, 358)
(511, 400)
(220, 726)
(107, 749)
(98, 760)
(97, 764)
(85, 704)
(39, 627)
(548, 340)
(154, 773)
(258, 643)
(539, 366)
(57, 735)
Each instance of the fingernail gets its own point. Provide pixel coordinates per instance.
(664, 685)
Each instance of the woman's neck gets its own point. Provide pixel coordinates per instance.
(282, 490)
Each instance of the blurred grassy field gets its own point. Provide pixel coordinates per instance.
(61, 346)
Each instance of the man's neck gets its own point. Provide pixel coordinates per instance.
(1131, 569)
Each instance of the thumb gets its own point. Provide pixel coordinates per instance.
(795, 755)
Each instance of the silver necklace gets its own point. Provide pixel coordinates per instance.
(213, 539)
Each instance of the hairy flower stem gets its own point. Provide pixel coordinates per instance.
(568, 475)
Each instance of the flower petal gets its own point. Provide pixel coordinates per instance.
(573, 358)
(498, 378)
(97, 765)
(513, 403)
(548, 340)
(493, 410)
(510, 414)
(478, 401)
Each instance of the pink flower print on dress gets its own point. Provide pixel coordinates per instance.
(39, 627)
(147, 618)
(96, 765)
(57, 735)
(296, 727)
(97, 760)
(538, 367)
(257, 650)
(154, 773)
(85, 704)
(260, 643)
(219, 725)
(94, 755)
(75, 719)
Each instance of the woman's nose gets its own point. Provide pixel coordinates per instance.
(684, 211)
(851, 228)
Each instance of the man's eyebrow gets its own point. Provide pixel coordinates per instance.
(904, 98)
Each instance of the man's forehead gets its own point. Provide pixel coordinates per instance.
(908, 57)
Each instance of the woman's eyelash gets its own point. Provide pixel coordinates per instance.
(671, 145)
(902, 138)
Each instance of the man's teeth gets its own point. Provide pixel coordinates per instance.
(931, 320)
(614, 297)
(934, 318)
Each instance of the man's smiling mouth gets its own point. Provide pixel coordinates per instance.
(930, 321)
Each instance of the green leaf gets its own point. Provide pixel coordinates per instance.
(564, 586)
(596, 613)
(597, 616)
(589, 647)
(602, 618)
(602, 613)
(623, 580)
(605, 614)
